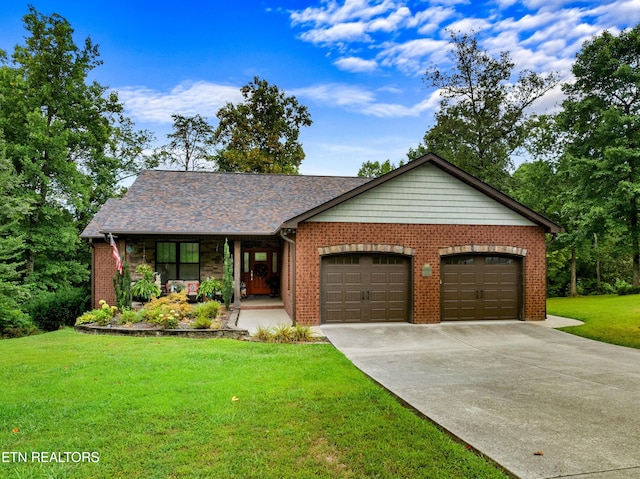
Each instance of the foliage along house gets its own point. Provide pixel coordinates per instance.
(424, 243)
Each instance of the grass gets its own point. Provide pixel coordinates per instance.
(191, 408)
(611, 318)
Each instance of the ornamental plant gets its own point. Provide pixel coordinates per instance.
(208, 288)
(145, 288)
(227, 278)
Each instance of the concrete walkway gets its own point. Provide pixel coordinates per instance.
(540, 402)
(252, 319)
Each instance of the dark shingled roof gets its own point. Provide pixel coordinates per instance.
(180, 202)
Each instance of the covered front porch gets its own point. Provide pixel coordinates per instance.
(261, 270)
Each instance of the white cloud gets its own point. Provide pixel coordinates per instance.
(409, 57)
(356, 64)
(363, 101)
(428, 21)
(342, 32)
(332, 12)
(335, 94)
(154, 106)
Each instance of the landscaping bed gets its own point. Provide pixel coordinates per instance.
(171, 315)
(227, 329)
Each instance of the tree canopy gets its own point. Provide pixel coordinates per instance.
(483, 117)
(601, 115)
(68, 142)
(261, 134)
(191, 144)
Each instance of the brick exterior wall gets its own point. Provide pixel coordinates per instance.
(102, 272)
(428, 242)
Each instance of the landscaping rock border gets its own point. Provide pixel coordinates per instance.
(229, 332)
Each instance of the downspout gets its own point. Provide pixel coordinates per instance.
(293, 271)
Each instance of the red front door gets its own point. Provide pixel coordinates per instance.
(259, 268)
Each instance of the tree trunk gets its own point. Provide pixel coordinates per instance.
(573, 289)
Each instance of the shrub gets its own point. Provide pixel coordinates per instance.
(122, 287)
(624, 288)
(201, 322)
(227, 276)
(167, 318)
(177, 302)
(102, 316)
(208, 310)
(129, 316)
(13, 322)
(52, 310)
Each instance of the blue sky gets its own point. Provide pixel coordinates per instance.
(356, 64)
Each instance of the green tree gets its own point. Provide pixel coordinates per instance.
(191, 144)
(602, 158)
(372, 169)
(483, 116)
(12, 293)
(68, 141)
(260, 135)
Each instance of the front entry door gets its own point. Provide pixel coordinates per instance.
(260, 270)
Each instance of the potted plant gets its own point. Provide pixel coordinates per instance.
(208, 289)
(145, 288)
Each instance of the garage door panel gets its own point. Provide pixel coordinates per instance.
(352, 278)
(334, 297)
(368, 287)
(480, 287)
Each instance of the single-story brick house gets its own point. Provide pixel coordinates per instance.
(424, 243)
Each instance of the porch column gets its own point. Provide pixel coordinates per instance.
(237, 268)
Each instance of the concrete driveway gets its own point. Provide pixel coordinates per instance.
(539, 402)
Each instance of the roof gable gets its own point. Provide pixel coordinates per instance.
(429, 190)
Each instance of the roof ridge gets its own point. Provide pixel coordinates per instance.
(248, 173)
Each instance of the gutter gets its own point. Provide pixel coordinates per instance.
(293, 269)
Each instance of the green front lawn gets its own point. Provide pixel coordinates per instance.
(171, 407)
(612, 319)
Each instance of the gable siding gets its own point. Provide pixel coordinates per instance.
(425, 195)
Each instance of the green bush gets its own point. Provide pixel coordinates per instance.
(129, 316)
(201, 322)
(122, 287)
(102, 316)
(208, 310)
(167, 319)
(52, 310)
(13, 322)
(624, 288)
